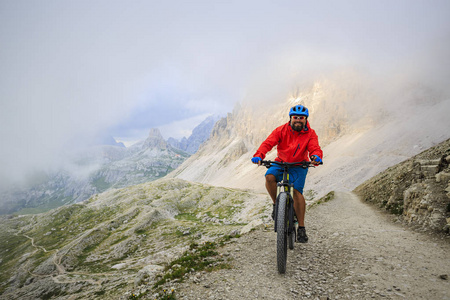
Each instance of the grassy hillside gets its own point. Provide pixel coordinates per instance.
(104, 246)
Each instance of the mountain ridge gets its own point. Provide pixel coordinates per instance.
(95, 171)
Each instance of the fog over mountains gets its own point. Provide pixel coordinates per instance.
(362, 126)
(101, 167)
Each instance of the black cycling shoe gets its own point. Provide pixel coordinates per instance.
(301, 235)
(273, 213)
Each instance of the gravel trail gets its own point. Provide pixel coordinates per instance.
(354, 252)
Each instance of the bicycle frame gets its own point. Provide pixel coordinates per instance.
(286, 187)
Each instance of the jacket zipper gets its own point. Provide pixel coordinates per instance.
(298, 146)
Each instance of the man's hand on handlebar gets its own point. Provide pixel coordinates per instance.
(304, 164)
(316, 160)
(256, 160)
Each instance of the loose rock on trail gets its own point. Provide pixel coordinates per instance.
(354, 252)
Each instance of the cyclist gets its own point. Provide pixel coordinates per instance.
(295, 142)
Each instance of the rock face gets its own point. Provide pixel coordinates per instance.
(417, 189)
(199, 135)
(155, 140)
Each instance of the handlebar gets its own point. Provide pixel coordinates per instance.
(304, 164)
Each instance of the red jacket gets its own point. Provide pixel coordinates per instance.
(293, 146)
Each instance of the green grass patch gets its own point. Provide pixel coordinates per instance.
(225, 212)
(39, 209)
(197, 258)
(101, 184)
(120, 239)
(12, 248)
(162, 295)
(94, 267)
(67, 223)
(310, 195)
(396, 209)
(141, 231)
(99, 293)
(186, 217)
(328, 197)
(227, 238)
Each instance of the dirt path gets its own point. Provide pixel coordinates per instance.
(354, 252)
(33, 244)
(60, 276)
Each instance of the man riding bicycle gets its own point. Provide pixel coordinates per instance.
(295, 142)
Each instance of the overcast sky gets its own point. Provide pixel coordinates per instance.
(71, 70)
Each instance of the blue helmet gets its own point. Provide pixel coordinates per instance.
(299, 110)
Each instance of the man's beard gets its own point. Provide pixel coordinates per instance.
(297, 127)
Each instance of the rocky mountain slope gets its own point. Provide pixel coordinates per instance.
(102, 247)
(361, 132)
(418, 189)
(94, 171)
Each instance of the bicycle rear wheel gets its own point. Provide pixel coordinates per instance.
(291, 240)
(282, 219)
(290, 215)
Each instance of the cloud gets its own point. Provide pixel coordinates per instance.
(182, 128)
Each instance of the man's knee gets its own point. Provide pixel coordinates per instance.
(296, 192)
(270, 178)
(298, 195)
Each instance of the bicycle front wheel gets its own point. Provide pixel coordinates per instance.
(282, 219)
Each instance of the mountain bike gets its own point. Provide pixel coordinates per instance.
(286, 224)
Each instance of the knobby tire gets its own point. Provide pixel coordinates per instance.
(282, 237)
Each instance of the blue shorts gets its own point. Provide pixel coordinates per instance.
(297, 176)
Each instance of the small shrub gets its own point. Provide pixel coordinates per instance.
(140, 231)
(395, 209)
(197, 258)
(326, 198)
(227, 238)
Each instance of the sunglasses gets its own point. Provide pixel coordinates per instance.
(298, 117)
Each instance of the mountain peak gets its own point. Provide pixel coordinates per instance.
(109, 140)
(199, 134)
(154, 132)
(155, 140)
